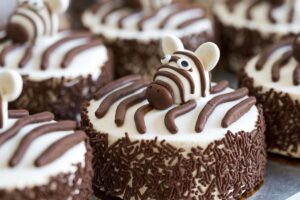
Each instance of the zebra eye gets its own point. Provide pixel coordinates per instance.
(37, 4)
(184, 64)
(165, 60)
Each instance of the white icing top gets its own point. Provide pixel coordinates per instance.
(25, 174)
(154, 120)
(151, 29)
(88, 62)
(260, 20)
(264, 78)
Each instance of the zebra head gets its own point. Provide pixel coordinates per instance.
(34, 19)
(184, 75)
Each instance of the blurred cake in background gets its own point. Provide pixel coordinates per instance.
(134, 29)
(246, 27)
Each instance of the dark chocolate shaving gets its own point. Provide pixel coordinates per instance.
(112, 98)
(213, 103)
(125, 105)
(238, 111)
(115, 84)
(36, 133)
(139, 118)
(176, 112)
(32, 119)
(279, 64)
(5, 51)
(60, 147)
(26, 57)
(15, 114)
(296, 75)
(221, 86)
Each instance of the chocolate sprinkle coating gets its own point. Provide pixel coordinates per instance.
(155, 166)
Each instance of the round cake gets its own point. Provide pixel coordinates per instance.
(246, 27)
(274, 78)
(62, 68)
(178, 137)
(134, 29)
(40, 158)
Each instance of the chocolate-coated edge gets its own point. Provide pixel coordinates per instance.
(38, 96)
(215, 160)
(81, 188)
(281, 113)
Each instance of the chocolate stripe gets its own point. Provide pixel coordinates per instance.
(141, 22)
(59, 148)
(116, 84)
(52, 48)
(112, 98)
(15, 114)
(279, 64)
(74, 52)
(122, 19)
(39, 16)
(36, 133)
(127, 103)
(32, 119)
(6, 50)
(182, 72)
(231, 4)
(221, 86)
(199, 67)
(189, 22)
(296, 75)
(109, 12)
(236, 112)
(26, 57)
(139, 118)
(176, 112)
(32, 22)
(1, 113)
(173, 78)
(216, 101)
(265, 56)
(168, 17)
(251, 6)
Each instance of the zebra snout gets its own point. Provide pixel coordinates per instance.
(17, 33)
(159, 96)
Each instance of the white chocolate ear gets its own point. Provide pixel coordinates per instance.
(11, 85)
(58, 6)
(209, 54)
(171, 44)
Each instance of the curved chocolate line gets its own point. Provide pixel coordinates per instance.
(176, 112)
(173, 78)
(69, 57)
(168, 17)
(106, 15)
(15, 114)
(237, 111)
(139, 118)
(31, 119)
(189, 22)
(264, 57)
(182, 72)
(270, 14)
(165, 85)
(199, 67)
(112, 98)
(231, 4)
(123, 18)
(59, 148)
(116, 84)
(52, 48)
(141, 22)
(221, 86)
(36, 133)
(39, 16)
(296, 75)
(26, 57)
(251, 6)
(6, 50)
(279, 64)
(125, 105)
(216, 101)
(32, 22)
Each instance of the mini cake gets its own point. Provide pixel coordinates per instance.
(176, 137)
(62, 68)
(40, 158)
(134, 29)
(274, 78)
(246, 27)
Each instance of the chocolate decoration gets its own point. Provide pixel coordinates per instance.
(176, 112)
(6, 51)
(106, 103)
(32, 119)
(159, 96)
(279, 64)
(296, 75)
(251, 6)
(60, 147)
(214, 102)
(171, 15)
(121, 20)
(190, 22)
(142, 21)
(26, 57)
(219, 87)
(296, 48)
(125, 105)
(17, 33)
(139, 118)
(106, 15)
(238, 111)
(15, 114)
(116, 84)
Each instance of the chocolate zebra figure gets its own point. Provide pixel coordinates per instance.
(184, 75)
(34, 19)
